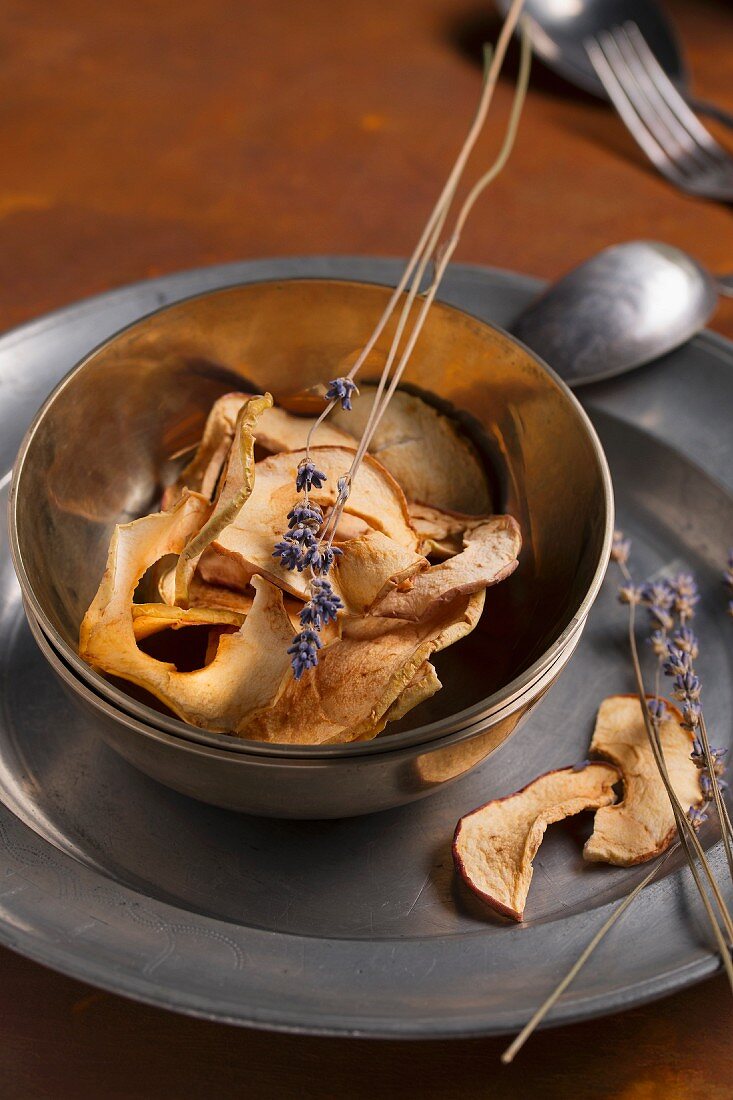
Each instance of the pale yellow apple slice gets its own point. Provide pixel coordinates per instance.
(642, 825)
(494, 846)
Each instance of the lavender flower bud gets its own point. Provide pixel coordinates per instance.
(628, 594)
(620, 548)
(677, 663)
(686, 642)
(657, 708)
(288, 551)
(305, 514)
(658, 595)
(658, 642)
(304, 651)
(341, 389)
(690, 716)
(308, 476)
(687, 687)
(696, 817)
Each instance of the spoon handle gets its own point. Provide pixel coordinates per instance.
(725, 284)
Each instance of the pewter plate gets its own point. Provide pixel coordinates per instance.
(359, 927)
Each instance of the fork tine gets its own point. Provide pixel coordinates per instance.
(669, 130)
(627, 108)
(666, 89)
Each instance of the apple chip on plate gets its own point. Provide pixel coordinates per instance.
(494, 846)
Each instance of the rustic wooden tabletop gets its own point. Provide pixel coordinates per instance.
(140, 139)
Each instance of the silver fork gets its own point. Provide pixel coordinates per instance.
(657, 116)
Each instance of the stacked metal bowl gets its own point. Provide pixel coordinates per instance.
(99, 453)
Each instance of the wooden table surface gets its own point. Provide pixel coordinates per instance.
(142, 138)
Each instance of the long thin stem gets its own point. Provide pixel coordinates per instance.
(717, 797)
(582, 959)
(378, 408)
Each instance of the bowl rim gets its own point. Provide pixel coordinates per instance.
(407, 752)
(483, 710)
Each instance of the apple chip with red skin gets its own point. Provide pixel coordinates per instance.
(642, 825)
(494, 846)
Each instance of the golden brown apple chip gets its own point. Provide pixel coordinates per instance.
(237, 482)
(203, 594)
(279, 430)
(246, 546)
(423, 449)
(422, 686)
(276, 430)
(441, 533)
(202, 472)
(494, 846)
(250, 666)
(642, 825)
(151, 618)
(490, 556)
(359, 677)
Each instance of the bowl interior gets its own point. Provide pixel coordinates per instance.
(103, 446)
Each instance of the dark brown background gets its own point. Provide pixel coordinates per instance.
(141, 138)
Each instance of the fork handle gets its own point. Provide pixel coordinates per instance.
(725, 284)
(712, 110)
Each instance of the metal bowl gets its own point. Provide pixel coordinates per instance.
(295, 786)
(100, 448)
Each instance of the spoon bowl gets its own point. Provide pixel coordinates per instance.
(625, 306)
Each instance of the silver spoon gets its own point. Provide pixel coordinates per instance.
(558, 29)
(622, 308)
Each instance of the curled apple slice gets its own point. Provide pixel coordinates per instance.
(490, 556)
(250, 666)
(361, 675)
(276, 430)
(237, 483)
(424, 450)
(152, 618)
(441, 533)
(494, 846)
(642, 825)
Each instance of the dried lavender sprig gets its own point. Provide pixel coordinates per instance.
(686, 833)
(681, 654)
(653, 712)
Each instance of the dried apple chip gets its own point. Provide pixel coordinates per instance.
(151, 618)
(489, 557)
(494, 846)
(276, 430)
(642, 825)
(359, 677)
(245, 546)
(424, 450)
(441, 533)
(237, 482)
(250, 666)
